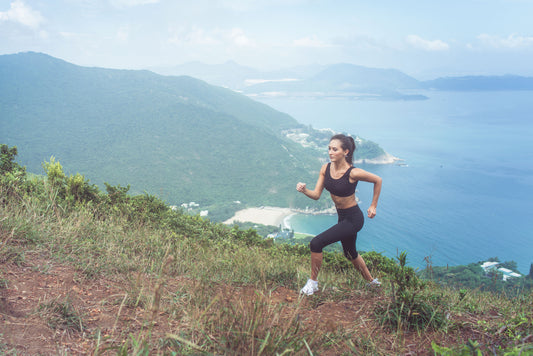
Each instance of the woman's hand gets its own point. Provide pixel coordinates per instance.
(371, 212)
(300, 187)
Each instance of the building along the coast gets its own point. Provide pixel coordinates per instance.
(491, 266)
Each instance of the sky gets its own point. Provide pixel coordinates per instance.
(425, 39)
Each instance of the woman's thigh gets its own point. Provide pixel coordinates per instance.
(340, 232)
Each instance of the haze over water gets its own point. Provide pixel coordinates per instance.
(466, 191)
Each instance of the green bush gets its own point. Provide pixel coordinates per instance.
(12, 175)
(410, 306)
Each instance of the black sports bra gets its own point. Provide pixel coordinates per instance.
(340, 187)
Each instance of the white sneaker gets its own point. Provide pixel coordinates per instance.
(374, 282)
(310, 287)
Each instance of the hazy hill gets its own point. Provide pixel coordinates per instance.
(345, 80)
(335, 80)
(318, 81)
(229, 74)
(235, 76)
(340, 80)
(480, 83)
(176, 137)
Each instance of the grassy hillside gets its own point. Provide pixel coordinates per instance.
(175, 137)
(87, 272)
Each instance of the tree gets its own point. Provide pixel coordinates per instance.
(7, 160)
(512, 265)
(12, 175)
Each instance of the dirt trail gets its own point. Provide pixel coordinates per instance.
(25, 325)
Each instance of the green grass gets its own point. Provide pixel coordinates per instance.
(299, 235)
(60, 314)
(227, 275)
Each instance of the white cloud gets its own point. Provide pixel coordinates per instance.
(310, 41)
(512, 41)
(68, 35)
(123, 33)
(22, 14)
(426, 45)
(251, 5)
(199, 36)
(131, 3)
(194, 36)
(239, 38)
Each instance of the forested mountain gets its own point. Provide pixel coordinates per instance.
(175, 137)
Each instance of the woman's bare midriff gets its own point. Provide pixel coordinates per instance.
(344, 202)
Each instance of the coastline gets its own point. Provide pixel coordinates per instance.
(270, 215)
(386, 158)
(267, 215)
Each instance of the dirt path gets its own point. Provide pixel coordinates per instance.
(33, 293)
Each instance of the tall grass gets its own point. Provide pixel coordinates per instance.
(190, 269)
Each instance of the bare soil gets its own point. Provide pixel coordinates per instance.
(27, 328)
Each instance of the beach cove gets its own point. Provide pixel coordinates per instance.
(273, 216)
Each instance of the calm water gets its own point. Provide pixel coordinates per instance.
(466, 192)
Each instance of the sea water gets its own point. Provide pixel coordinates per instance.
(464, 192)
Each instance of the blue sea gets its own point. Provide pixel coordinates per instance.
(464, 192)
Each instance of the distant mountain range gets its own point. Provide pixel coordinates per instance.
(183, 139)
(340, 80)
(176, 137)
(480, 83)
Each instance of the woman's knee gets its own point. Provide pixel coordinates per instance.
(315, 245)
(351, 255)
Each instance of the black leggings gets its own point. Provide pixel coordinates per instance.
(350, 222)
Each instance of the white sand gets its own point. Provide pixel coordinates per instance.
(265, 215)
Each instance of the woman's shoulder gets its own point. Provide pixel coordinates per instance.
(354, 171)
(324, 168)
(361, 174)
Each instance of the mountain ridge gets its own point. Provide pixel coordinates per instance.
(177, 137)
(325, 81)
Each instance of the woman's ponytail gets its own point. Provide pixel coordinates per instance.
(349, 156)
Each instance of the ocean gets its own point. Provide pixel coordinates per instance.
(464, 192)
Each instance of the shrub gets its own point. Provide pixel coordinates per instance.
(410, 306)
(12, 175)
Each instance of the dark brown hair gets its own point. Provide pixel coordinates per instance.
(347, 143)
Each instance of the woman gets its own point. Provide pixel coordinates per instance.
(340, 178)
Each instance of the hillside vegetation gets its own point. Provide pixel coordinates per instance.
(88, 272)
(177, 138)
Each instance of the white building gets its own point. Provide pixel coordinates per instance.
(507, 273)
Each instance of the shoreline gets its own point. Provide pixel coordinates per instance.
(270, 215)
(386, 158)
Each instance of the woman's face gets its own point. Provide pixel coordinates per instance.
(335, 151)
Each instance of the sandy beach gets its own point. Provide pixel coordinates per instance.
(267, 215)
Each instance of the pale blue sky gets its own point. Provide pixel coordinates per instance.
(423, 38)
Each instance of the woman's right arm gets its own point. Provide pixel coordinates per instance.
(319, 187)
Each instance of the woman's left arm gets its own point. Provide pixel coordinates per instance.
(361, 174)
